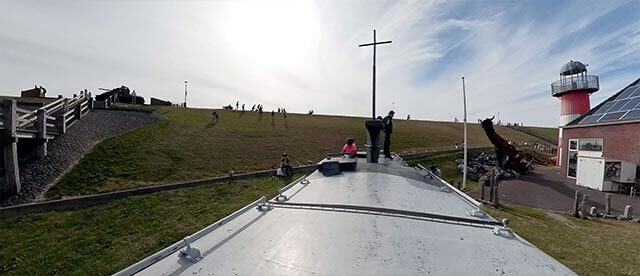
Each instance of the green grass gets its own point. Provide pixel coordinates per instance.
(548, 133)
(189, 145)
(104, 239)
(448, 168)
(598, 247)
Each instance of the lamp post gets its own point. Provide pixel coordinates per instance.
(464, 171)
(185, 94)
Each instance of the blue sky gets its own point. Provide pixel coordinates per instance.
(303, 54)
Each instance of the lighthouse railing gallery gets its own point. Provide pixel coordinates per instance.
(578, 82)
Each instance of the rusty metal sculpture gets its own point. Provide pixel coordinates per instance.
(508, 157)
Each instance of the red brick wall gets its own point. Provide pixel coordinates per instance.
(621, 141)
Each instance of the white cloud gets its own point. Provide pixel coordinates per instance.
(303, 54)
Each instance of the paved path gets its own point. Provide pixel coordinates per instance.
(547, 188)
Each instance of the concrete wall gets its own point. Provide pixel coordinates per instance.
(620, 141)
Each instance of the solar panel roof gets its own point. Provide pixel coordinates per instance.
(622, 106)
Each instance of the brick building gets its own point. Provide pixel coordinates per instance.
(610, 130)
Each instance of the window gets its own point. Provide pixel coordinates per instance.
(572, 161)
(572, 164)
(573, 144)
(591, 144)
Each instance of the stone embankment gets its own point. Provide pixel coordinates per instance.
(67, 149)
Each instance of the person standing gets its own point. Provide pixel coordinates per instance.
(237, 105)
(388, 129)
(242, 107)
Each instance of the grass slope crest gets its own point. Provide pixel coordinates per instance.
(188, 144)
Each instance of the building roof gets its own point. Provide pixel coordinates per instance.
(382, 219)
(622, 107)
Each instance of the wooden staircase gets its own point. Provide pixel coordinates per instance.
(40, 125)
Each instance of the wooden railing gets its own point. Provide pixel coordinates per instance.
(57, 116)
(42, 124)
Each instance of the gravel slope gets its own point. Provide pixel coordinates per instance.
(67, 149)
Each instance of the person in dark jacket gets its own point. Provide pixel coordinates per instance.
(285, 165)
(388, 129)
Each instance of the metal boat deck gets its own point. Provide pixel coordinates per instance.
(382, 219)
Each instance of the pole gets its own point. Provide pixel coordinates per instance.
(185, 94)
(464, 172)
(373, 115)
(375, 42)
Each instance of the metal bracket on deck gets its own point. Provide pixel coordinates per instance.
(190, 253)
(264, 207)
(478, 212)
(281, 198)
(503, 230)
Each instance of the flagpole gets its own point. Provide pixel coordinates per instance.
(464, 171)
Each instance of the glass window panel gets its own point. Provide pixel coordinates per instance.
(572, 164)
(573, 144)
(637, 93)
(603, 108)
(618, 105)
(626, 92)
(590, 119)
(631, 104)
(633, 114)
(590, 144)
(612, 116)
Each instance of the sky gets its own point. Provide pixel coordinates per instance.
(304, 55)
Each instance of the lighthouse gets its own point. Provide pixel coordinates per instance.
(573, 89)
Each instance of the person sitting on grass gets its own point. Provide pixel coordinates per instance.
(285, 165)
(350, 148)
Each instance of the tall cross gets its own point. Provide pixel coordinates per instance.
(374, 68)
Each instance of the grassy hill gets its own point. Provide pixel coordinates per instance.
(103, 239)
(548, 133)
(188, 144)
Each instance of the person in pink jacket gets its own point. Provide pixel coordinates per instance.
(350, 147)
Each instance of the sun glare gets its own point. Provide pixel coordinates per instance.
(272, 32)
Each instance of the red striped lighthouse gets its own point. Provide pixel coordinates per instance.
(573, 89)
